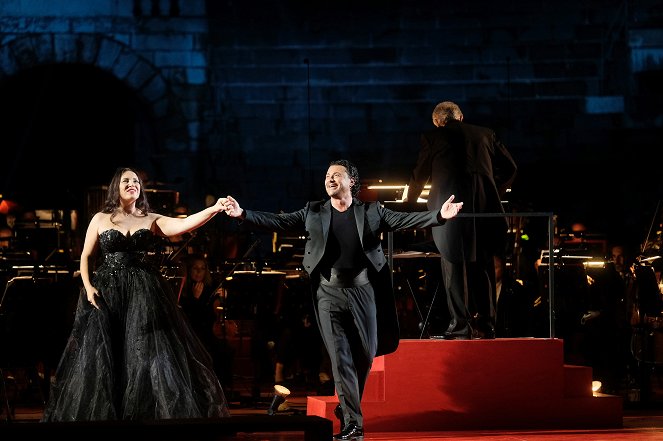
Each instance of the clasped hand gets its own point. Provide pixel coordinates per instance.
(231, 206)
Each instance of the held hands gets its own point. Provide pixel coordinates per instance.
(219, 205)
(450, 209)
(231, 207)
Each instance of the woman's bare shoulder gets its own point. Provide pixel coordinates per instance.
(101, 221)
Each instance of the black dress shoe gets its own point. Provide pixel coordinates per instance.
(457, 337)
(483, 334)
(350, 433)
(482, 328)
(338, 412)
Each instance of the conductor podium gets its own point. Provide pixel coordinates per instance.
(442, 385)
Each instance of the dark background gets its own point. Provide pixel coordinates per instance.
(255, 98)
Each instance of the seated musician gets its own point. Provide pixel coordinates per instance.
(201, 301)
(6, 234)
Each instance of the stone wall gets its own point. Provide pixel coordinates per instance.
(255, 97)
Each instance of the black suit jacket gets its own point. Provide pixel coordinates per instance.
(469, 162)
(372, 220)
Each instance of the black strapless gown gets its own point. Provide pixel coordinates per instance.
(137, 357)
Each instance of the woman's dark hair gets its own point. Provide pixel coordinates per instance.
(113, 195)
(352, 172)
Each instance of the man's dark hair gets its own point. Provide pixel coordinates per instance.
(353, 172)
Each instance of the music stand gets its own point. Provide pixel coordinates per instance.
(417, 256)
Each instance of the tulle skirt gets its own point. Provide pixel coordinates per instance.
(136, 358)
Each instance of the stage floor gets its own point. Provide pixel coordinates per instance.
(640, 424)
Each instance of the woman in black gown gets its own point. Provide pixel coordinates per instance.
(132, 355)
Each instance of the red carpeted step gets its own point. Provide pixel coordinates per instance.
(577, 381)
(431, 385)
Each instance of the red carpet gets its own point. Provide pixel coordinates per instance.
(437, 385)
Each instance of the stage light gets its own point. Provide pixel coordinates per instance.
(7, 206)
(280, 394)
(596, 387)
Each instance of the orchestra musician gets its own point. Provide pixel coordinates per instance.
(202, 302)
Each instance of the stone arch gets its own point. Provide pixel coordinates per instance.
(164, 125)
(110, 55)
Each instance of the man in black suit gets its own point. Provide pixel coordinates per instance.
(470, 162)
(350, 278)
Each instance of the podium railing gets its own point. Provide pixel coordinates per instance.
(551, 259)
